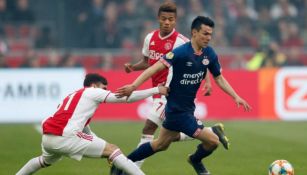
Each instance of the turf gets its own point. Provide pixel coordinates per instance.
(254, 145)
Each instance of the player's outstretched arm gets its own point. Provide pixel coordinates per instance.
(128, 89)
(141, 65)
(226, 87)
(137, 95)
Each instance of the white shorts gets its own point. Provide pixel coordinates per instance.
(75, 147)
(156, 113)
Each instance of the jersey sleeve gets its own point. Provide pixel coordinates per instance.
(170, 58)
(145, 49)
(180, 40)
(214, 65)
(135, 96)
(97, 94)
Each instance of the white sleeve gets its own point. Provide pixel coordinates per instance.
(142, 94)
(97, 94)
(135, 96)
(145, 49)
(180, 41)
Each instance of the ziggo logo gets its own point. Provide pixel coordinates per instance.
(291, 93)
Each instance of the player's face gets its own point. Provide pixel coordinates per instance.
(203, 36)
(167, 22)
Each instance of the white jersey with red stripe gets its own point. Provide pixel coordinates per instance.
(75, 112)
(155, 47)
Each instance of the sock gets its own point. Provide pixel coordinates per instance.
(123, 163)
(184, 137)
(32, 166)
(144, 139)
(200, 153)
(141, 152)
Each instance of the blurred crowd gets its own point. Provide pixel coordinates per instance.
(276, 30)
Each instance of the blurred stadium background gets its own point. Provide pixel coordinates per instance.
(47, 46)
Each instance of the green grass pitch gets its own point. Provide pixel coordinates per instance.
(254, 145)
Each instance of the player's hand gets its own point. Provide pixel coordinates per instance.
(239, 101)
(125, 91)
(163, 90)
(128, 67)
(207, 88)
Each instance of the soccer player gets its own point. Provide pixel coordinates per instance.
(187, 67)
(156, 44)
(67, 132)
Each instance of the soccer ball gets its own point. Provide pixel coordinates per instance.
(281, 167)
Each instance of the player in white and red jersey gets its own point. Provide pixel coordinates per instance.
(156, 44)
(67, 131)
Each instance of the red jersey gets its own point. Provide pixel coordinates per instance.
(156, 46)
(75, 112)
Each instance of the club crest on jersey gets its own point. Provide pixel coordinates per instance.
(206, 61)
(167, 46)
(169, 55)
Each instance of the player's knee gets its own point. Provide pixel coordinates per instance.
(45, 163)
(214, 143)
(109, 149)
(150, 128)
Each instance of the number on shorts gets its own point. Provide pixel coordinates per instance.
(160, 105)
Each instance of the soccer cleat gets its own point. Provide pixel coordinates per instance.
(115, 171)
(218, 129)
(198, 167)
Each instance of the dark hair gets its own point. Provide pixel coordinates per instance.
(94, 78)
(168, 7)
(199, 20)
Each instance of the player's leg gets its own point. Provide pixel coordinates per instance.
(99, 148)
(192, 127)
(33, 166)
(209, 143)
(153, 121)
(147, 136)
(165, 138)
(46, 159)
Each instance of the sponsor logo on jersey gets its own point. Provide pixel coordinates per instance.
(169, 55)
(167, 46)
(189, 64)
(155, 55)
(152, 43)
(206, 61)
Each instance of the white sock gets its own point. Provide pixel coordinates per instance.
(144, 139)
(32, 166)
(184, 137)
(125, 164)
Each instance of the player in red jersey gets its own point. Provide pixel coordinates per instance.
(156, 44)
(67, 132)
